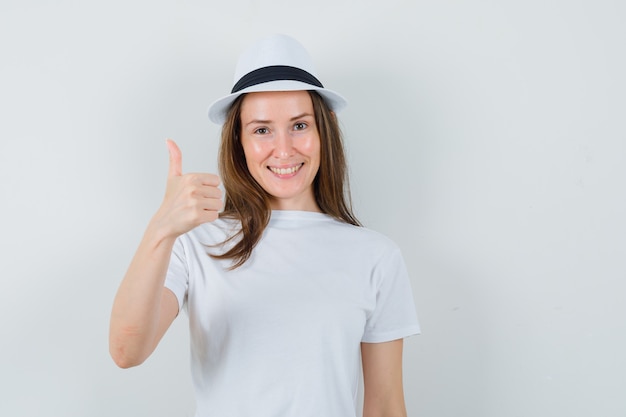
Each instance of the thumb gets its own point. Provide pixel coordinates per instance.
(176, 159)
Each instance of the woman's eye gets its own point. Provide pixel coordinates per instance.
(300, 126)
(261, 131)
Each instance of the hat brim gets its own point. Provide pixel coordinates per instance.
(219, 109)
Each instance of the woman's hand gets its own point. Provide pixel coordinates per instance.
(190, 199)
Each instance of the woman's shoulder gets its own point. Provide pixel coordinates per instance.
(213, 233)
(372, 236)
(356, 236)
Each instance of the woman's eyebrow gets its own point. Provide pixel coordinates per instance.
(300, 116)
(257, 121)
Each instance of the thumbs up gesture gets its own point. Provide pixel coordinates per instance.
(190, 199)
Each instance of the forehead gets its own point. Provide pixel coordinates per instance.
(276, 105)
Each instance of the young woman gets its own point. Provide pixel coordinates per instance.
(288, 296)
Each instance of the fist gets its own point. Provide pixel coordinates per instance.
(190, 199)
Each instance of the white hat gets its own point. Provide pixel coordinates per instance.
(274, 63)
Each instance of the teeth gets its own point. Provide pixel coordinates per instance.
(285, 171)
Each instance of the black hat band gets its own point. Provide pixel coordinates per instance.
(275, 73)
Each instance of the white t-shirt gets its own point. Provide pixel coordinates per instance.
(281, 335)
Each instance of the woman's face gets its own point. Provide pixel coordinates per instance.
(282, 146)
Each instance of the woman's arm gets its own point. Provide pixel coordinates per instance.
(143, 308)
(382, 376)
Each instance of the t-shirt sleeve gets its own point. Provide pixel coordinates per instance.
(177, 278)
(394, 316)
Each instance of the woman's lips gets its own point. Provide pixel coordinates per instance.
(290, 170)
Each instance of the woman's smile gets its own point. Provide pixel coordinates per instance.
(286, 172)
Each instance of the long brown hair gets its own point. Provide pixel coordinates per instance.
(248, 202)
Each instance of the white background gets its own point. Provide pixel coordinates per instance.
(487, 138)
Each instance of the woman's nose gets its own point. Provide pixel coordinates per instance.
(283, 145)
